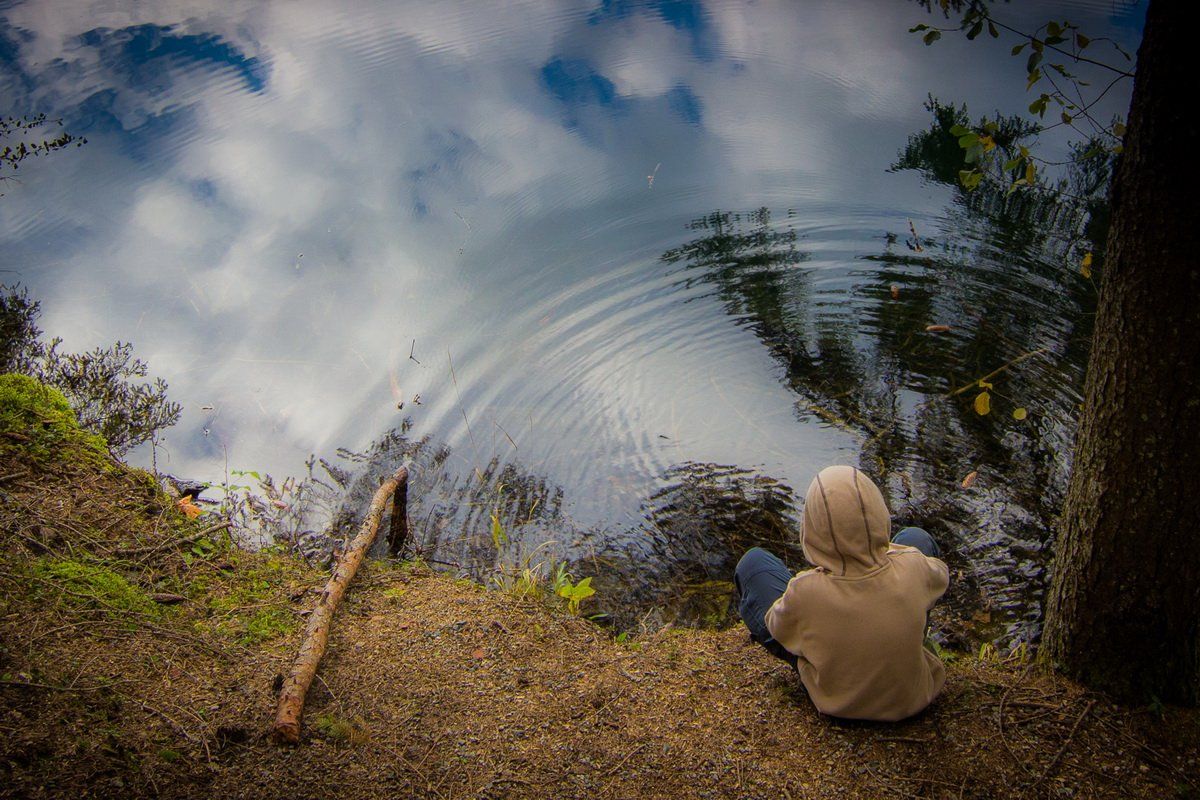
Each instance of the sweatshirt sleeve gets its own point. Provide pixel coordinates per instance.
(783, 618)
(939, 578)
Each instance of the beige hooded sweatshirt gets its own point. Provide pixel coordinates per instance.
(857, 620)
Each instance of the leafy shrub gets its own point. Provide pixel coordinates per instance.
(102, 385)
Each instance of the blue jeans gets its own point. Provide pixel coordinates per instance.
(761, 578)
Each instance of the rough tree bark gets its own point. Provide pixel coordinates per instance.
(1123, 609)
(316, 634)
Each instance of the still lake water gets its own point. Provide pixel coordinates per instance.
(624, 275)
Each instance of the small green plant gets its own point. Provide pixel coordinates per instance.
(499, 537)
(525, 584)
(947, 656)
(203, 549)
(266, 625)
(623, 639)
(394, 593)
(561, 578)
(291, 513)
(565, 587)
(1019, 653)
(576, 593)
(342, 731)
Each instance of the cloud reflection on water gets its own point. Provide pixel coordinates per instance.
(278, 200)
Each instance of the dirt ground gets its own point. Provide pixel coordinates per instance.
(140, 654)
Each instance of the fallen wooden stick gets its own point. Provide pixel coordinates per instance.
(316, 634)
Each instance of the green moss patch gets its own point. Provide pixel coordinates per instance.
(93, 586)
(38, 420)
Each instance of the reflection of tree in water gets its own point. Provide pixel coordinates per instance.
(1000, 277)
(677, 564)
(757, 274)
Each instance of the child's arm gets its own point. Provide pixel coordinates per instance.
(939, 578)
(783, 618)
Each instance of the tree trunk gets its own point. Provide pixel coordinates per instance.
(1124, 605)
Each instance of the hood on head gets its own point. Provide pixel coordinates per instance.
(846, 526)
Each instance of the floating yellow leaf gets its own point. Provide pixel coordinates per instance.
(967, 481)
(937, 328)
(1020, 414)
(983, 403)
(1085, 266)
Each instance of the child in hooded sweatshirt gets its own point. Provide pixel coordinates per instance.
(854, 624)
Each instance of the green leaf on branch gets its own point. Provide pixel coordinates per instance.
(932, 37)
(1017, 48)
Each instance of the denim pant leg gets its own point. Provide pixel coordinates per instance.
(761, 578)
(920, 539)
